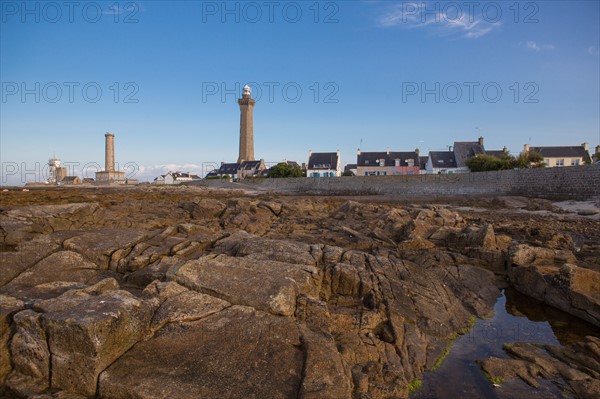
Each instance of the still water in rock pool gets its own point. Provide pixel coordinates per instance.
(517, 318)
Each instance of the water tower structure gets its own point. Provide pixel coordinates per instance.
(54, 165)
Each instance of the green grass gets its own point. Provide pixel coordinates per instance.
(472, 320)
(414, 385)
(440, 360)
(493, 380)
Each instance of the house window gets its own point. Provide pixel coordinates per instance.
(331, 174)
(397, 162)
(366, 173)
(574, 162)
(560, 162)
(385, 173)
(366, 161)
(377, 173)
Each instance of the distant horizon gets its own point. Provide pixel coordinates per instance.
(164, 77)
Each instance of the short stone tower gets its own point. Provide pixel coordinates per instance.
(246, 104)
(109, 174)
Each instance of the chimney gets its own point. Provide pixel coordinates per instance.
(109, 152)
(526, 147)
(481, 141)
(358, 152)
(417, 151)
(585, 146)
(505, 150)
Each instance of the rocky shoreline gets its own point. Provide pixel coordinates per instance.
(190, 292)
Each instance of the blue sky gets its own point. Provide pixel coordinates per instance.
(361, 67)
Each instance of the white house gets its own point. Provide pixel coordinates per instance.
(441, 162)
(175, 178)
(324, 164)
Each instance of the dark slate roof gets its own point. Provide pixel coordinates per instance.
(423, 162)
(323, 160)
(213, 173)
(567, 152)
(228, 169)
(249, 165)
(185, 175)
(372, 158)
(464, 150)
(349, 168)
(495, 153)
(442, 159)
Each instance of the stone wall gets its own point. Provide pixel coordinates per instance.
(577, 183)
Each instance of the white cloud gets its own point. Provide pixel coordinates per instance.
(149, 172)
(455, 20)
(538, 47)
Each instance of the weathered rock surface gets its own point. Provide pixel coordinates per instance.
(90, 334)
(270, 286)
(573, 289)
(27, 254)
(100, 246)
(20, 223)
(65, 266)
(238, 352)
(76, 336)
(574, 369)
(174, 292)
(8, 306)
(30, 355)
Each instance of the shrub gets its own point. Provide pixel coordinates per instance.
(283, 169)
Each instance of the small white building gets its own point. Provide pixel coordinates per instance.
(442, 163)
(324, 164)
(175, 178)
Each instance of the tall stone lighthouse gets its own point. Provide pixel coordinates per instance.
(246, 104)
